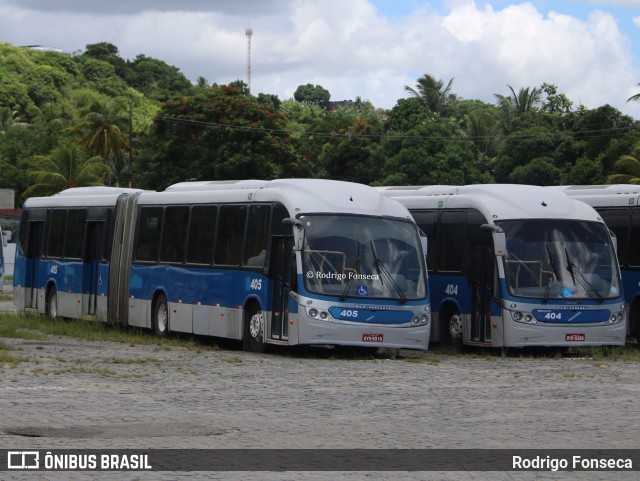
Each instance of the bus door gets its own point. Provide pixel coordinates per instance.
(481, 273)
(91, 273)
(34, 255)
(282, 268)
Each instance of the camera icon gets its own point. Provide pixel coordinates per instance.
(23, 460)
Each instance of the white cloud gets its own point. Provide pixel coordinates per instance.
(346, 47)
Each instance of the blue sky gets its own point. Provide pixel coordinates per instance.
(372, 49)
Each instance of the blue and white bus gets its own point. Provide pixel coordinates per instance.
(517, 266)
(292, 261)
(619, 207)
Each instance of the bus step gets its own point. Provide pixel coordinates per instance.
(30, 310)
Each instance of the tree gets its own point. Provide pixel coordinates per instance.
(99, 134)
(9, 119)
(218, 134)
(314, 94)
(635, 97)
(629, 168)
(66, 166)
(435, 96)
(517, 104)
(433, 152)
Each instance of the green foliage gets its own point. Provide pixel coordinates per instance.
(218, 134)
(310, 93)
(209, 131)
(66, 166)
(434, 152)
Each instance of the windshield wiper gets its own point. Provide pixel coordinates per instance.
(356, 267)
(384, 273)
(554, 268)
(577, 274)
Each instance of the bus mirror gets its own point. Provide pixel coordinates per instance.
(425, 244)
(499, 239)
(298, 234)
(614, 241)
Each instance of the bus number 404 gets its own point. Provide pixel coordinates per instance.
(451, 289)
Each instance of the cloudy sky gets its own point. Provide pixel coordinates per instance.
(590, 49)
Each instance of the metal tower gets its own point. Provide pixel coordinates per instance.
(249, 32)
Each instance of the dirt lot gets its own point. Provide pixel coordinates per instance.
(68, 394)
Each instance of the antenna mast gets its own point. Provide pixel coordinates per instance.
(249, 32)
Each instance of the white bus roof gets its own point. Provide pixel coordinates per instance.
(299, 196)
(81, 196)
(495, 201)
(606, 195)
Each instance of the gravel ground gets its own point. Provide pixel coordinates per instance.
(69, 394)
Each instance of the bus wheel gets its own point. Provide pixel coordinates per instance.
(254, 331)
(52, 303)
(451, 332)
(161, 317)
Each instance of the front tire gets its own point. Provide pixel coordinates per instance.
(161, 317)
(52, 303)
(254, 335)
(451, 330)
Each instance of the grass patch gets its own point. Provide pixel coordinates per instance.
(6, 296)
(37, 327)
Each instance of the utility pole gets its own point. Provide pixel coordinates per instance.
(130, 141)
(249, 33)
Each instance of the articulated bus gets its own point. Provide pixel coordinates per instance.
(291, 261)
(517, 266)
(619, 207)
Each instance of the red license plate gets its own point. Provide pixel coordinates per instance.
(372, 337)
(575, 337)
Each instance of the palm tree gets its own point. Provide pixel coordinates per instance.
(99, 133)
(431, 92)
(202, 83)
(634, 97)
(65, 166)
(517, 104)
(9, 119)
(522, 102)
(629, 167)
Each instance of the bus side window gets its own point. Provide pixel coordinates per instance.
(56, 225)
(428, 222)
(174, 234)
(230, 235)
(618, 221)
(202, 229)
(257, 235)
(148, 234)
(452, 241)
(74, 240)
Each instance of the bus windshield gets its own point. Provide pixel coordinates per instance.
(560, 259)
(365, 257)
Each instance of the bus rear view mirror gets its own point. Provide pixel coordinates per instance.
(499, 239)
(298, 234)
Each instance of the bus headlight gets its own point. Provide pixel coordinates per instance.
(517, 316)
(313, 313)
(616, 318)
(324, 315)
